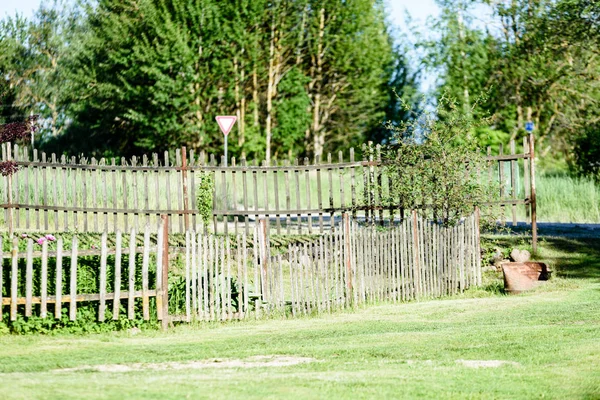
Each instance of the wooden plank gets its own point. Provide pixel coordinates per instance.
(205, 271)
(308, 202)
(131, 270)
(36, 192)
(63, 162)
(212, 269)
(245, 195)
(14, 279)
(16, 190)
(103, 257)
(125, 194)
(298, 206)
(513, 181)
(228, 277)
(266, 194)
(1, 273)
(502, 185)
(117, 276)
(160, 298)
(189, 248)
(276, 190)
(73, 280)
(179, 163)
(353, 184)
(58, 279)
(193, 193)
(224, 201)
(113, 178)
(234, 192)
(245, 280)
(135, 190)
(104, 193)
(93, 173)
(288, 220)
(330, 179)
(85, 199)
(255, 192)
(29, 277)
(379, 183)
(146, 188)
(27, 197)
(44, 281)
(168, 188)
(145, 265)
(319, 193)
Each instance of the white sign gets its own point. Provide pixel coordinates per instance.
(226, 122)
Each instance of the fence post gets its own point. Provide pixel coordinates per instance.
(165, 271)
(348, 249)
(533, 197)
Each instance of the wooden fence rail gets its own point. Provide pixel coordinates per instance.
(56, 193)
(58, 277)
(241, 277)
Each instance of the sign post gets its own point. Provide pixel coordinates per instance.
(226, 122)
(529, 127)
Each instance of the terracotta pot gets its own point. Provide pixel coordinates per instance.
(520, 277)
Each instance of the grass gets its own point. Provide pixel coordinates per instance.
(408, 350)
(567, 199)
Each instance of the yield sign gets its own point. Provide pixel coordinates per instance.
(226, 123)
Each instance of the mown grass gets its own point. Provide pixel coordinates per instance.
(408, 350)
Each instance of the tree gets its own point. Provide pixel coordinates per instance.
(34, 55)
(529, 69)
(302, 76)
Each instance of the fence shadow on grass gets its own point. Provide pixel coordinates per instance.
(573, 257)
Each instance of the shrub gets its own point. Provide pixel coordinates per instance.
(435, 164)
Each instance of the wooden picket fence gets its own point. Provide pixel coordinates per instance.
(244, 277)
(237, 277)
(58, 286)
(60, 194)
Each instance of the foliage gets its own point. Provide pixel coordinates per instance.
(120, 78)
(204, 197)
(536, 59)
(587, 153)
(435, 163)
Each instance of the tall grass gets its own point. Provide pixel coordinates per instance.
(567, 199)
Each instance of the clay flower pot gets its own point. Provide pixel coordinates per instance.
(520, 277)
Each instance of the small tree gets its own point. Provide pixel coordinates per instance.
(434, 164)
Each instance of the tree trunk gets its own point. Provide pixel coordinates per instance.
(318, 133)
(271, 77)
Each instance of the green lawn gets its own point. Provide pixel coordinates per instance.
(549, 339)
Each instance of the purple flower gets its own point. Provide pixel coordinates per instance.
(24, 235)
(50, 237)
(41, 240)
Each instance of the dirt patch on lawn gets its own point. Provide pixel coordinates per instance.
(250, 362)
(486, 363)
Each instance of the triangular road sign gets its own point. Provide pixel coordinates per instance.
(226, 123)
